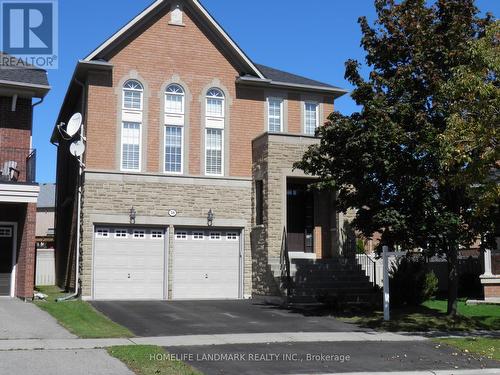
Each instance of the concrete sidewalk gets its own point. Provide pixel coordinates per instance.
(190, 340)
(24, 320)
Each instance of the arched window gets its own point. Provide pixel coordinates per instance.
(174, 99)
(131, 130)
(215, 103)
(214, 132)
(132, 95)
(174, 128)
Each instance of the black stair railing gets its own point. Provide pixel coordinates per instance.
(286, 279)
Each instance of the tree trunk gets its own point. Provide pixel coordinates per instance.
(452, 258)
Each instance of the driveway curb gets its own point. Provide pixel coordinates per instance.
(200, 340)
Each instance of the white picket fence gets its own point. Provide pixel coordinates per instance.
(368, 264)
(45, 267)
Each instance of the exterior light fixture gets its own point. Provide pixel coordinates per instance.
(132, 214)
(210, 217)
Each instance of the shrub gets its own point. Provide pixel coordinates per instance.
(409, 282)
(430, 286)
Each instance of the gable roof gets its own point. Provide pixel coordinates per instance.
(151, 10)
(277, 75)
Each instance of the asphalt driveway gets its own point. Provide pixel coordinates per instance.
(173, 318)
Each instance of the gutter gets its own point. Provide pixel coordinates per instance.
(337, 92)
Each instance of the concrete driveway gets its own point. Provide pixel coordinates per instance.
(22, 320)
(172, 318)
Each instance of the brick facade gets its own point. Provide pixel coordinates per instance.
(157, 54)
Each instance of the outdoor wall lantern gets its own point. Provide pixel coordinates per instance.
(210, 217)
(131, 215)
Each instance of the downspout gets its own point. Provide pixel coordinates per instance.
(79, 205)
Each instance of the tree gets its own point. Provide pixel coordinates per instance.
(391, 160)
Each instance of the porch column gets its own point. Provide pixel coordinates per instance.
(487, 263)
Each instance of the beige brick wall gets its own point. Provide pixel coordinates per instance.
(152, 199)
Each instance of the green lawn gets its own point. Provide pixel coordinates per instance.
(79, 317)
(150, 360)
(487, 347)
(430, 316)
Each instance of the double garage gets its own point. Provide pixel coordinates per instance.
(137, 263)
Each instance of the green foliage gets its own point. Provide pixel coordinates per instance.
(150, 360)
(360, 246)
(79, 317)
(391, 160)
(430, 286)
(410, 283)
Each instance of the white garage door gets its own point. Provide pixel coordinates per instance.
(206, 264)
(129, 263)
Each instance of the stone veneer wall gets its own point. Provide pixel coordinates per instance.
(152, 196)
(273, 158)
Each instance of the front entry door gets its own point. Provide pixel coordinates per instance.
(300, 217)
(6, 244)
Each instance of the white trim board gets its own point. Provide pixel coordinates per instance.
(14, 251)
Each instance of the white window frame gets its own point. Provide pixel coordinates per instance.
(102, 233)
(221, 155)
(118, 233)
(157, 234)
(181, 235)
(183, 99)
(222, 98)
(282, 107)
(229, 236)
(316, 104)
(196, 233)
(140, 147)
(139, 233)
(6, 232)
(141, 108)
(215, 234)
(165, 145)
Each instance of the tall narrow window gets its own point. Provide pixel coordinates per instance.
(259, 202)
(311, 119)
(214, 132)
(131, 149)
(131, 126)
(174, 128)
(275, 114)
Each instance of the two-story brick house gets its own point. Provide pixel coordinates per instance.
(19, 85)
(188, 181)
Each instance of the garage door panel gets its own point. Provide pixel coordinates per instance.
(128, 268)
(206, 268)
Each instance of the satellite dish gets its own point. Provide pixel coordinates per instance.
(74, 124)
(77, 148)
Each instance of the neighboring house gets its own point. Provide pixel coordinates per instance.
(188, 181)
(45, 219)
(18, 187)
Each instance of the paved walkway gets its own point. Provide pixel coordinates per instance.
(22, 325)
(23, 320)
